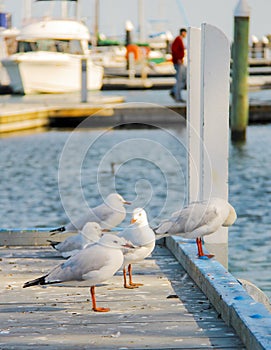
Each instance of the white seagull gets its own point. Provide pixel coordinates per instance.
(140, 235)
(198, 219)
(90, 233)
(94, 264)
(108, 214)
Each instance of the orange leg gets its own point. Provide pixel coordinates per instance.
(130, 278)
(94, 306)
(131, 285)
(126, 285)
(200, 250)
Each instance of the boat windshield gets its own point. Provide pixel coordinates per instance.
(52, 45)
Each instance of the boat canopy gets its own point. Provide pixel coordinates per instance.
(55, 29)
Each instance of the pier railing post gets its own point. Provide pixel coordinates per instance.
(208, 123)
(240, 108)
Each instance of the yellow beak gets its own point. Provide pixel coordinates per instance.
(133, 221)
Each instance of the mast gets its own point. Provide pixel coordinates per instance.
(27, 11)
(96, 23)
(64, 9)
(141, 20)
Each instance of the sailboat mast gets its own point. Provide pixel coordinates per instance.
(64, 9)
(78, 10)
(27, 11)
(96, 23)
(141, 20)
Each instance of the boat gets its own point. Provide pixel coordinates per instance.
(49, 57)
(8, 35)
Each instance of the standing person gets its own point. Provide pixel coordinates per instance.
(178, 53)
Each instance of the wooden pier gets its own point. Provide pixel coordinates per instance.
(185, 303)
(168, 312)
(106, 110)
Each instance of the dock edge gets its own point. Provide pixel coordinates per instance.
(250, 319)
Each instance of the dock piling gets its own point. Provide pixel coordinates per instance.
(208, 123)
(240, 108)
(128, 38)
(84, 89)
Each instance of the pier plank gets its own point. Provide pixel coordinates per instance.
(168, 312)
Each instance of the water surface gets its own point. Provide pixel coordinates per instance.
(50, 177)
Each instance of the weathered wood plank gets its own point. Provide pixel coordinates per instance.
(168, 312)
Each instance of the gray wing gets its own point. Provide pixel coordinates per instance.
(90, 259)
(188, 219)
(80, 223)
(109, 217)
(71, 243)
(99, 214)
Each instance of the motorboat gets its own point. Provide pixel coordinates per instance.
(49, 58)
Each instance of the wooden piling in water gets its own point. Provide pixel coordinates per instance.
(239, 111)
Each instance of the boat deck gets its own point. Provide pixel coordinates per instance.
(168, 312)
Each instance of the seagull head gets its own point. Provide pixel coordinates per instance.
(91, 232)
(115, 200)
(139, 217)
(91, 229)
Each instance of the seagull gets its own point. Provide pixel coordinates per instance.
(198, 219)
(140, 235)
(90, 233)
(108, 214)
(95, 264)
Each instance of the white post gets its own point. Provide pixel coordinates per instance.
(193, 113)
(208, 123)
(84, 89)
(215, 78)
(131, 65)
(27, 11)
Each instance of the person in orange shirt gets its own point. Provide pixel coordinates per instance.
(178, 53)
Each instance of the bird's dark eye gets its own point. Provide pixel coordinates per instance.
(115, 242)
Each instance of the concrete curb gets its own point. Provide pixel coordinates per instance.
(250, 319)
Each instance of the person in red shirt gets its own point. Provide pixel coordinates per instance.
(178, 53)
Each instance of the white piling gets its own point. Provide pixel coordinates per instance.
(215, 75)
(208, 117)
(84, 89)
(131, 65)
(193, 112)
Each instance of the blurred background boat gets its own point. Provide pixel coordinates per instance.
(8, 35)
(48, 58)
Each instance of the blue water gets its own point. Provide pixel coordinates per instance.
(250, 194)
(52, 176)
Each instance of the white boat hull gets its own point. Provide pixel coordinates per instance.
(49, 72)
